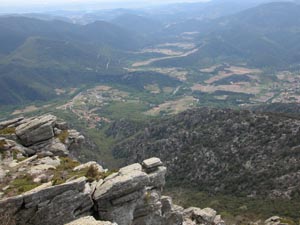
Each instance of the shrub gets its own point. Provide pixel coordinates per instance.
(67, 164)
(94, 175)
(2, 144)
(287, 221)
(8, 130)
(63, 136)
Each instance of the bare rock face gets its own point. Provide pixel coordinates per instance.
(53, 205)
(133, 196)
(11, 122)
(274, 220)
(205, 216)
(54, 190)
(42, 134)
(128, 197)
(36, 130)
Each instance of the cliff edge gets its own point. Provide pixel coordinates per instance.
(41, 184)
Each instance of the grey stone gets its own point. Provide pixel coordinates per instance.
(62, 208)
(57, 131)
(38, 169)
(127, 198)
(151, 163)
(149, 205)
(202, 216)
(2, 174)
(89, 164)
(54, 161)
(53, 205)
(48, 193)
(36, 130)
(7, 123)
(218, 220)
(122, 215)
(89, 220)
(62, 125)
(121, 185)
(58, 148)
(11, 205)
(130, 168)
(274, 220)
(157, 178)
(167, 204)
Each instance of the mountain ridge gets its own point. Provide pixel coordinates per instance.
(236, 152)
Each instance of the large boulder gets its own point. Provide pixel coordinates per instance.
(118, 195)
(53, 205)
(36, 130)
(205, 216)
(274, 220)
(120, 184)
(87, 165)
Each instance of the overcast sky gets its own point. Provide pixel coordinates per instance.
(55, 2)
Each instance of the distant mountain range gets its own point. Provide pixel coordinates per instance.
(36, 55)
(263, 36)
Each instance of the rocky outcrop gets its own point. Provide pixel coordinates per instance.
(41, 134)
(133, 196)
(40, 184)
(53, 205)
(276, 220)
(127, 197)
(36, 130)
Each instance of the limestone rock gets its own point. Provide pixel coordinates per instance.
(175, 216)
(218, 220)
(130, 168)
(38, 169)
(10, 122)
(89, 220)
(202, 216)
(131, 196)
(36, 130)
(157, 178)
(2, 174)
(121, 185)
(89, 164)
(58, 148)
(151, 163)
(61, 125)
(167, 204)
(54, 161)
(48, 205)
(274, 220)
(149, 211)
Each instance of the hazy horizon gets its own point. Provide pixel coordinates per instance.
(11, 6)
